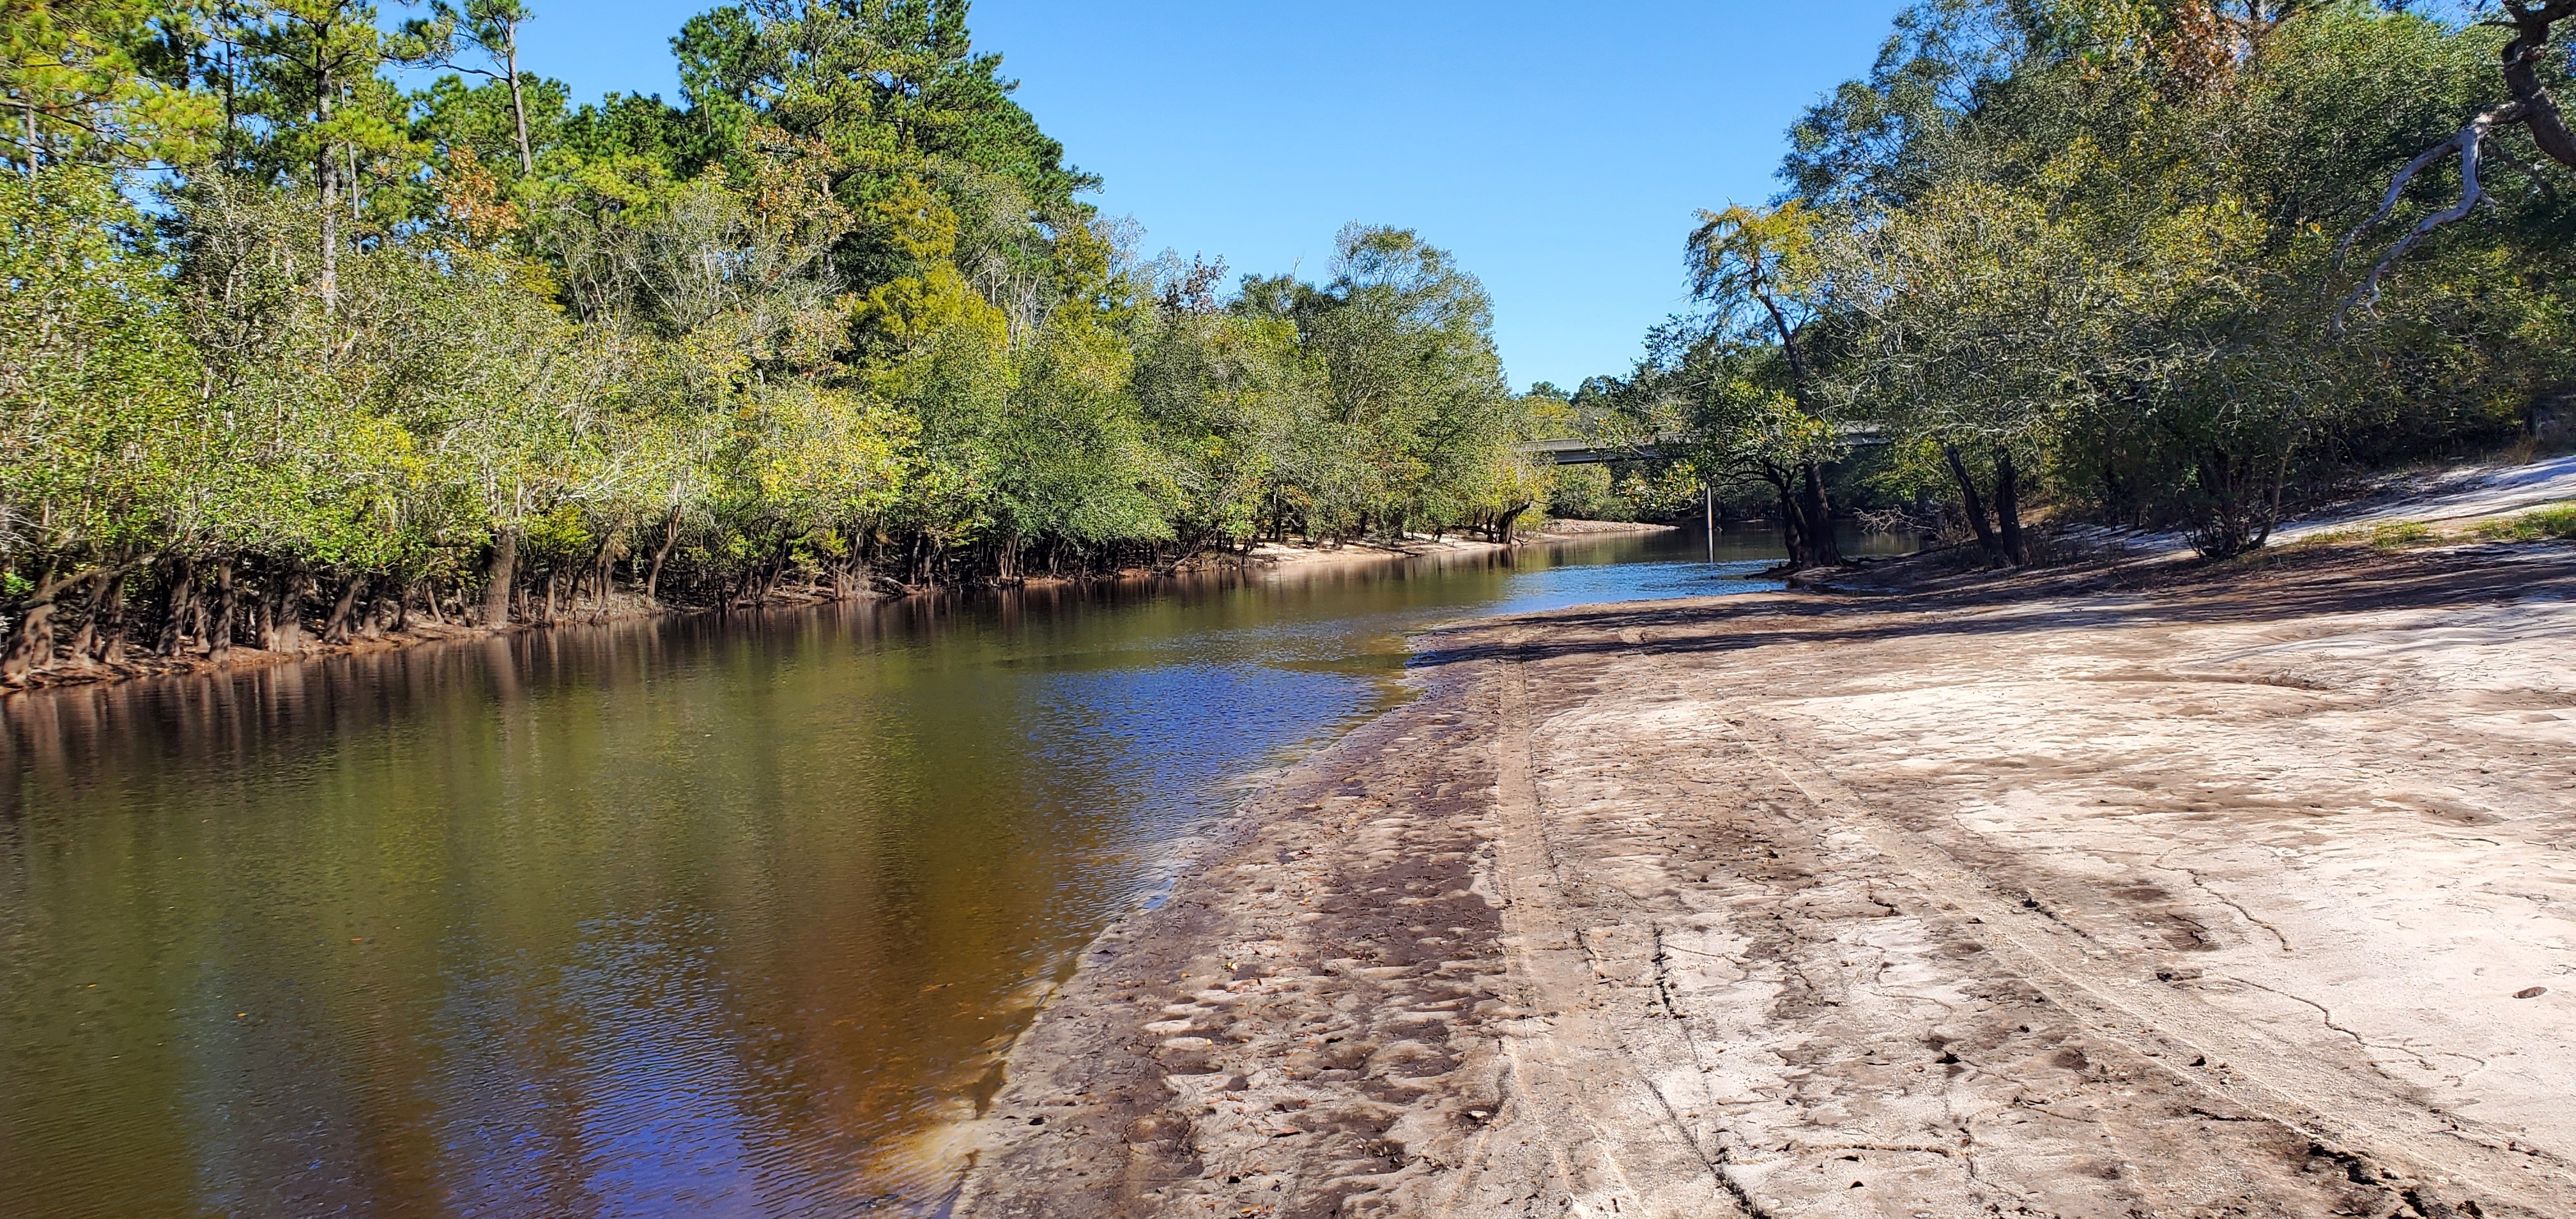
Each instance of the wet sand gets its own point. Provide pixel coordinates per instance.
(2250, 893)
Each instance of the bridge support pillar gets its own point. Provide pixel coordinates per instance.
(1708, 511)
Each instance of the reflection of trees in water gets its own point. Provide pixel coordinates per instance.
(592, 917)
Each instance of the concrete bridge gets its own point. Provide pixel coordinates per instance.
(1580, 452)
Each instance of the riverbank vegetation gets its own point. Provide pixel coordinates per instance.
(2161, 265)
(290, 354)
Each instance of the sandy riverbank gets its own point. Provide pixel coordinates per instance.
(2250, 894)
(1272, 555)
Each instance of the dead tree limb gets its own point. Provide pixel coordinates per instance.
(2532, 109)
(2469, 142)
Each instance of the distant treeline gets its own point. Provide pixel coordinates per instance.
(287, 352)
(2157, 263)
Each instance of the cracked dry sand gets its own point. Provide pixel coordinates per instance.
(2214, 900)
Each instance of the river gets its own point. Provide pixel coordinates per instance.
(724, 916)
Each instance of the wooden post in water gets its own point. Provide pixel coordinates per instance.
(1708, 510)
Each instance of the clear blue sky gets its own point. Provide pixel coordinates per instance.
(1558, 149)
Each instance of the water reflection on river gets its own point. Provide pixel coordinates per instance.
(701, 916)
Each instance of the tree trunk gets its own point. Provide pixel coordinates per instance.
(286, 612)
(552, 570)
(263, 614)
(327, 177)
(1792, 537)
(176, 608)
(602, 572)
(335, 629)
(519, 109)
(85, 640)
(1822, 549)
(1976, 506)
(500, 575)
(219, 626)
(2008, 508)
(107, 622)
(670, 538)
(2522, 58)
(845, 570)
(31, 643)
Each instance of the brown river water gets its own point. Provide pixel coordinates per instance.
(704, 916)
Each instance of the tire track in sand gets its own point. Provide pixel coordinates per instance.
(1614, 1138)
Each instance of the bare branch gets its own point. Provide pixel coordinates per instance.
(2532, 109)
(2470, 142)
(2397, 188)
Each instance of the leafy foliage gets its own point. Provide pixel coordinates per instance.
(839, 316)
(2087, 252)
